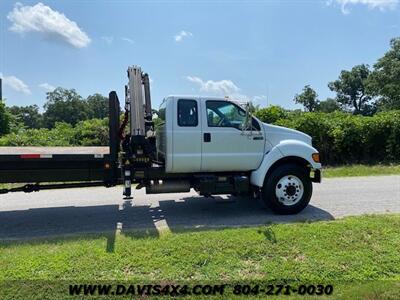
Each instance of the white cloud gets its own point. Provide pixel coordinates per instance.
(108, 39)
(181, 35)
(48, 22)
(128, 40)
(224, 87)
(46, 86)
(16, 84)
(371, 4)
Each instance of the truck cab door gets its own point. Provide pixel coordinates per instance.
(186, 136)
(226, 145)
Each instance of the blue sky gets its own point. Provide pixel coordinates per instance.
(264, 51)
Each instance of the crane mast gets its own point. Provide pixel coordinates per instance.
(138, 101)
(139, 146)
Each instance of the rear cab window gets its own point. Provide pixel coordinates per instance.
(188, 115)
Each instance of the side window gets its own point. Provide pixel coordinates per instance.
(226, 114)
(187, 113)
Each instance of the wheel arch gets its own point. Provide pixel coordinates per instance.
(296, 160)
(258, 177)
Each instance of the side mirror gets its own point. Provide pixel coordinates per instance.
(247, 123)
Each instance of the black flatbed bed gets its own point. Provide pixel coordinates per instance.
(53, 164)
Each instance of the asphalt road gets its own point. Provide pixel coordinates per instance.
(69, 211)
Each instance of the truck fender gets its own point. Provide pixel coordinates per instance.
(286, 148)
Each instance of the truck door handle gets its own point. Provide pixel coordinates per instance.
(207, 137)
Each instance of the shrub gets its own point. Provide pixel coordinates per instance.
(86, 133)
(60, 135)
(344, 138)
(91, 133)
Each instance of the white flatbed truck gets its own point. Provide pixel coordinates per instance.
(210, 144)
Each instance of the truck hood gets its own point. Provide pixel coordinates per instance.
(276, 134)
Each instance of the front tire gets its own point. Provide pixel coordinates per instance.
(288, 189)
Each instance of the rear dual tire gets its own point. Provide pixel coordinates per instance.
(288, 189)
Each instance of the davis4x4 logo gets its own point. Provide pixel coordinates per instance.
(145, 290)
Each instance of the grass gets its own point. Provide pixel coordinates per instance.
(360, 170)
(350, 251)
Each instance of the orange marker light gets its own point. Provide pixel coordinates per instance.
(315, 157)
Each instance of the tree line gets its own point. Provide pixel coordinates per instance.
(62, 106)
(361, 90)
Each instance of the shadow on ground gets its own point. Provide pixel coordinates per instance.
(137, 221)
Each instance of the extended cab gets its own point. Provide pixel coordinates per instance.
(216, 143)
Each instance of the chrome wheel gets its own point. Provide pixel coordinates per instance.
(289, 190)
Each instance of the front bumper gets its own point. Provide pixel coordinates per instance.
(317, 176)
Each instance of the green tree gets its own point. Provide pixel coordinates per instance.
(28, 115)
(308, 98)
(4, 119)
(351, 90)
(64, 105)
(98, 106)
(271, 114)
(385, 79)
(328, 106)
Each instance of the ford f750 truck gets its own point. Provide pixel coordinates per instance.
(210, 144)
